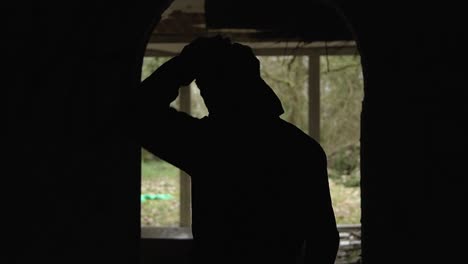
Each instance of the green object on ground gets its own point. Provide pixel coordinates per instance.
(150, 196)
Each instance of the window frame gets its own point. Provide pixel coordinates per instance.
(185, 100)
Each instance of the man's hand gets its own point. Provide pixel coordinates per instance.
(174, 71)
(204, 54)
(197, 57)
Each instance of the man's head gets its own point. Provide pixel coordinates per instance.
(228, 76)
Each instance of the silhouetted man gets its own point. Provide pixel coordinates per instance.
(260, 190)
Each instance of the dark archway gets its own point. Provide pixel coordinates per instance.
(412, 119)
(72, 177)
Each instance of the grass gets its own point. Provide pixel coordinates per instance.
(346, 203)
(154, 170)
(162, 178)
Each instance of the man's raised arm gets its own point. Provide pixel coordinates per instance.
(157, 126)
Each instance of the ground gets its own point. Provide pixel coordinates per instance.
(161, 178)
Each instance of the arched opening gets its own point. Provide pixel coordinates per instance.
(320, 82)
(339, 107)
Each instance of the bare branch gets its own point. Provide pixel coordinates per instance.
(276, 79)
(342, 68)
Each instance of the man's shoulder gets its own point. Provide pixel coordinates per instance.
(296, 131)
(293, 134)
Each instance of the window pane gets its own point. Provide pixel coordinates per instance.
(340, 108)
(288, 77)
(341, 97)
(198, 108)
(341, 89)
(160, 192)
(160, 186)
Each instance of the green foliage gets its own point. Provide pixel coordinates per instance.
(159, 177)
(340, 106)
(341, 89)
(341, 98)
(150, 64)
(156, 168)
(346, 203)
(147, 156)
(288, 77)
(344, 165)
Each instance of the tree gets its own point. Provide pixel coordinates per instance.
(341, 97)
(341, 91)
(341, 100)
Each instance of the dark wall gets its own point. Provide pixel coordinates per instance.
(70, 182)
(413, 131)
(71, 178)
(306, 20)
